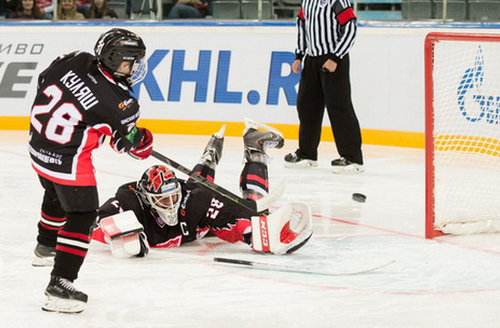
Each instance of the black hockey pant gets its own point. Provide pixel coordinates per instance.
(68, 215)
(318, 89)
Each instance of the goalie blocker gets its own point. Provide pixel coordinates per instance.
(284, 231)
(125, 235)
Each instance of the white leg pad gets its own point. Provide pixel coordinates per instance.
(283, 231)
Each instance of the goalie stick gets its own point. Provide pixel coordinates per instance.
(286, 268)
(254, 207)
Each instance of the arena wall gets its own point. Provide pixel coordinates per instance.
(206, 73)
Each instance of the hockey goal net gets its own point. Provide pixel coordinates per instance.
(462, 82)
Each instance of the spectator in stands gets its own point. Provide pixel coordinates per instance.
(187, 9)
(67, 11)
(83, 7)
(26, 9)
(6, 7)
(46, 8)
(206, 8)
(100, 9)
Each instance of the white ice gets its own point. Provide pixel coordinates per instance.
(450, 282)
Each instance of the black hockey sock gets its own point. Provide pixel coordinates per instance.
(254, 180)
(204, 171)
(72, 244)
(52, 220)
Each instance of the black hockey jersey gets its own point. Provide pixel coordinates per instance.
(77, 104)
(200, 211)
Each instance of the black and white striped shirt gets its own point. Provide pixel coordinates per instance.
(325, 27)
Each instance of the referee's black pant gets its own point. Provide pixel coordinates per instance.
(318, 89)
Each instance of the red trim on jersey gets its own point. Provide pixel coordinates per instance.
(63, 181)
(345, 16)
(85, 169)
(258, 179)
(84, 175)
(98, 235)
(108, 76)
(49, 227)
(104, 129)
(201, 232)
(71, 251)
(235, 232)
(301, 14)
(76, 235)
(171, 243)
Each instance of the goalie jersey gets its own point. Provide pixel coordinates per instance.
(77, 104)
(200, 211)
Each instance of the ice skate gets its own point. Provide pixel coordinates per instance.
(342, 165)
(293, 160)
(260, 137)
(63, 297)
(213, 150)
(44, 256)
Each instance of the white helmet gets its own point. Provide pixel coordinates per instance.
(161, 190)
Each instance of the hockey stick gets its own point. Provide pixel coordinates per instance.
(286, 268)
(249, 205)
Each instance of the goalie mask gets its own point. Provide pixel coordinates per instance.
(161, 190)
(117, 46)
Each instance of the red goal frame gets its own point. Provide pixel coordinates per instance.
(430, 40)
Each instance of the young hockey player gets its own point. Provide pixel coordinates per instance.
(81, 98)
(161, 210)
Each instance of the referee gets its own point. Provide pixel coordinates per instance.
(326, 33)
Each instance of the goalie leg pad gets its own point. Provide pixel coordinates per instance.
(284, 231)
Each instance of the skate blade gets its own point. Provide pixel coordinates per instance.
(42, 261)
(349, 169)
(249, 123)
(55, 304)
(220, 133)
(304, 164)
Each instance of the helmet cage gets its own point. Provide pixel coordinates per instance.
(138, 72)
(161, 190)
(166, 204)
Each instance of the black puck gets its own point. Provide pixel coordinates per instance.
(359, 197)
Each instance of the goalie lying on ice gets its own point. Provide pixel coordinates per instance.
(161, 210)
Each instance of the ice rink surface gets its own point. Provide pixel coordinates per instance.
(451, 282)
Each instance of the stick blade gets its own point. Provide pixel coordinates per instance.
(232, 261)
(274, 195)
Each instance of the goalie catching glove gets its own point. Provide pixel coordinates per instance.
(125, 235)
(284, 231)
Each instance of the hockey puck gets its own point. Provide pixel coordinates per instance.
(359, 197)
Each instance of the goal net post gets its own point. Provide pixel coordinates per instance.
(462, 100)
